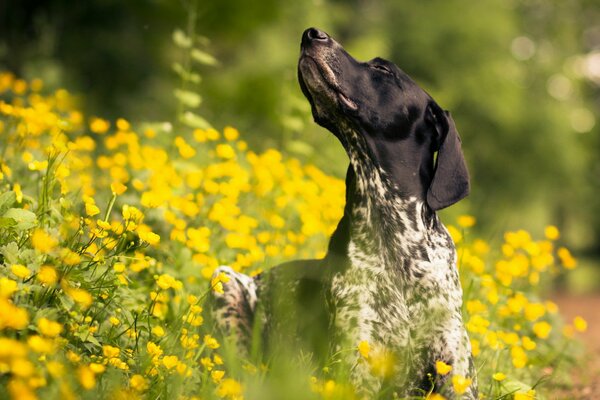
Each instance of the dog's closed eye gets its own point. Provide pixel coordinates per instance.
(381, 68)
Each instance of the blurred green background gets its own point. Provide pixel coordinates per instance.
(521, 77)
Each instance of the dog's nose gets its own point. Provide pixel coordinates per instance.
(313, 34)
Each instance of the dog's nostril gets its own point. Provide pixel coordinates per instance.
(315, 34)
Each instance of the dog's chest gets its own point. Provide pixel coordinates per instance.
(386, 300)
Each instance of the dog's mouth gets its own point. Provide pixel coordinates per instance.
(320, 86)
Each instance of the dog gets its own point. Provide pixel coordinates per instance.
(389, 277)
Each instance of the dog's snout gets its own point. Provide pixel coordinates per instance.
(313, 35)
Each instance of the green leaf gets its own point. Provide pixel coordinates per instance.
(188, 98)
(513, 386)
(203, 57)
(185, 74)
(7, 222)
(7, 199)
(300, 147)
(25, 219)
(295, 124)
(10, 253)
(66, 302)
(194, 120)
(181, 39)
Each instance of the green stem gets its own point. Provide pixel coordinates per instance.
(110, 207)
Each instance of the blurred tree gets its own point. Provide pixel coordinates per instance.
(521, 78)
(109, 50)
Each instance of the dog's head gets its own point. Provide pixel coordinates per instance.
(401, 125)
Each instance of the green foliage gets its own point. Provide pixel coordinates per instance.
(512, 73)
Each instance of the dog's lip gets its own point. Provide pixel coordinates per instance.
(342, 97)
(346, 101)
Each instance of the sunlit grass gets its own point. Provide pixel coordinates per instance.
(111, 232)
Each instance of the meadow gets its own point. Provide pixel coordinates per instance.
(110, 233)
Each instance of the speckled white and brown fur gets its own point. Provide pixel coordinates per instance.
(390, 276)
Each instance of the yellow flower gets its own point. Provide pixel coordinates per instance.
(217, 282)
(435, 396)
(73, 357)
(499, 376)
(118, 188)
(7, 287)
(454, 234)
(49, 328)
(123, 124)
(475, 347)
(158, 331)
(80, 296)
(580, 324)
(55, 369)
(91, 209)
(166, 281)
(529, 395)
(207, 363)
(217, 375)
(200, 135)
(542, 329)
(534, 311)
(69, 257)
(382, 363)
(211, 342)
(86, 377)
(38, 165)
(170, 361)
(442, 368)
(40, 344)
(551, 232)
(230, 133)
(466, 221)
(212, 134)
(47, 275)
(18, 389)
(114, 321)
(551, 307)
(20, 271)
(132, 213)
(363, 348)
(153, 349)
(42, 241)
(22, 368)
(97, 368)
(18, 192)
(110, 351)
(99, 125)
(149, 237)
(229, 388)
(568, 261)
(185, 150)
(460, 383)
(519, 358)
(150, 133)
(138, 383)
(225, 151)
(527, 343)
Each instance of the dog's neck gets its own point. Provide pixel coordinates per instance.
(381, 218)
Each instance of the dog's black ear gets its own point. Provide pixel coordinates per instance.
(450, 181)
